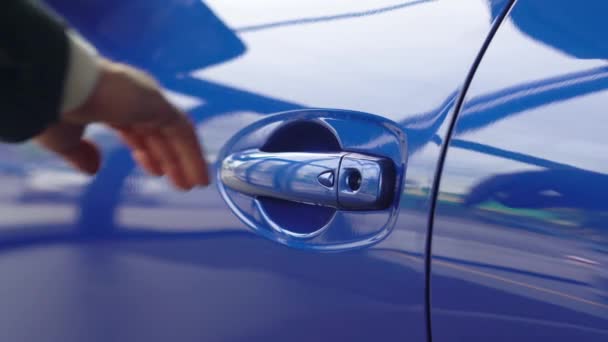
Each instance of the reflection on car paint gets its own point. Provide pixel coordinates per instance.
(160, 272)
(520, 244)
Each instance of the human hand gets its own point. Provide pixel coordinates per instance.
(162, 139)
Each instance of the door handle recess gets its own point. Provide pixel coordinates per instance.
(320, 179)
(343, 180)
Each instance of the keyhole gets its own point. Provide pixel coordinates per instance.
(353, 180)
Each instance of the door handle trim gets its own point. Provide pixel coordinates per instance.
(346, 181)
(292, 176)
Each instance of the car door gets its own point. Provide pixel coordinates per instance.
(124, 257)
(520, 242)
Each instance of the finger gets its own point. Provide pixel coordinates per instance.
(148, 162)
(140, 152)
(162, 151)
(181, 135)
(66, 140)
(150, 149)
(154, 154)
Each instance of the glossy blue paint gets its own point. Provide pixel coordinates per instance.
(123, 257)
(520, 240)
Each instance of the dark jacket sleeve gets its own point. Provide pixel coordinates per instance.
(34, 54)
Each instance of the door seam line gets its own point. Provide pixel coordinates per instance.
(444, 148)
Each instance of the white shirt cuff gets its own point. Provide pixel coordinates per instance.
(82, 72)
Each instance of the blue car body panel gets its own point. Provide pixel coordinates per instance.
(520, 240)
(519, 227)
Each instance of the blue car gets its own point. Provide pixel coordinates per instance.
(387, 170)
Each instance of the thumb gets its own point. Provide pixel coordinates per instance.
(65, 139)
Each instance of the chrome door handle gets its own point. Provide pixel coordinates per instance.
(347, 181)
